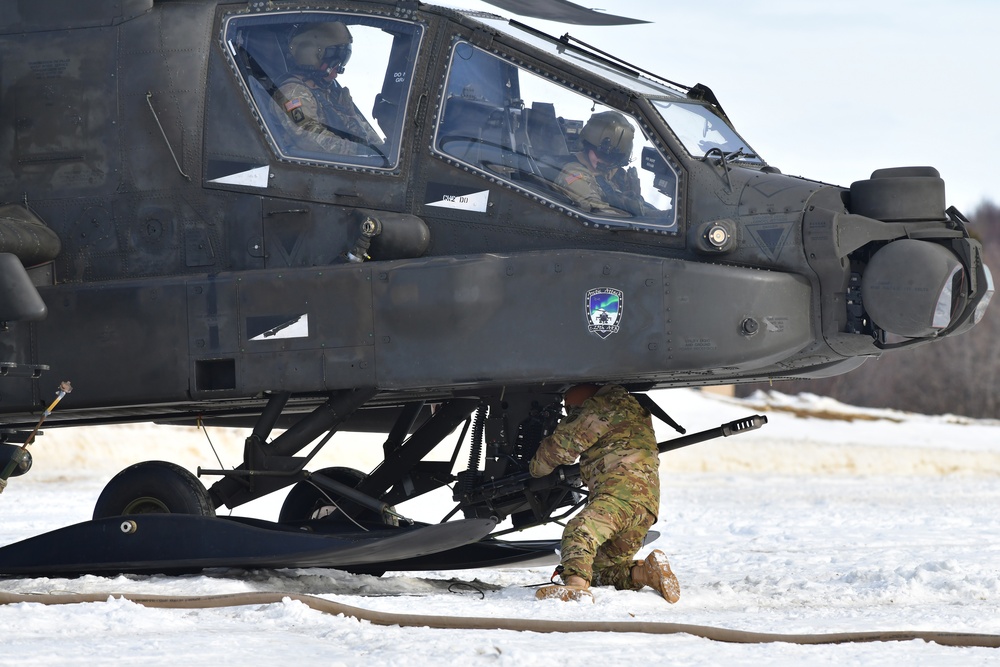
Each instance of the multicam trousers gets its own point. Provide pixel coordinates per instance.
(600, 542)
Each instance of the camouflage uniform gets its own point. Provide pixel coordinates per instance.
(613, 193)
(312, 110)
(619, 462)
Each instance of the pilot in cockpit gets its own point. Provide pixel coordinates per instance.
(596, 178)
(318, 110)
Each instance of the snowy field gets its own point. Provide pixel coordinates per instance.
(829, 519)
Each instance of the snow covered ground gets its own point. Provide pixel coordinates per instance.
(829, 519)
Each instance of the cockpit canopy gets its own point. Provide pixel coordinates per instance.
(498, 115)
(527, 125)
(697, 124)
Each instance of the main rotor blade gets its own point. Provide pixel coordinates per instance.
(562, 11)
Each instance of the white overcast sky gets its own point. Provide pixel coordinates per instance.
(831, 90)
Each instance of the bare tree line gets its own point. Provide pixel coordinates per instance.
(958, 375)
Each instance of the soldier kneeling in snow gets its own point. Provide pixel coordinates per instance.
(619, 462)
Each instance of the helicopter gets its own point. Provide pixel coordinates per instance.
(187, 243)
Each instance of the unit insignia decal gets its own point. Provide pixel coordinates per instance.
(604, 311)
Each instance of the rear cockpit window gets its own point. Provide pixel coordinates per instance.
(558, 143)
(327, 87)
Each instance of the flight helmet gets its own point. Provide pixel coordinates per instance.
(325, 47)
(609, 135)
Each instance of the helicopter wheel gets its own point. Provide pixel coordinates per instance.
(154, 487)
(305, 500)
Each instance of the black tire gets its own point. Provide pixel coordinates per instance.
(304, 499)
(154, 487)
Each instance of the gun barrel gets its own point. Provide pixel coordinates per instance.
(735, 427)
(571, 473)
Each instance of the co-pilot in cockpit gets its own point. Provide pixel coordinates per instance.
(552, 140)
(598, 178)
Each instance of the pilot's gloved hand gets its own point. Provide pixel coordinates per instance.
(632, 193)
(348, 102)
(632, 186)
(538, 469)
(620, 203)
(634, 205)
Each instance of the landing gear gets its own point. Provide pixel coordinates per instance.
(308, 500)
(154, 487)
(158, 517)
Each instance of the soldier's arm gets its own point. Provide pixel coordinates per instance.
(302, 119)
(627, 181)
(364, 129)
(566, 443)
(581, 187)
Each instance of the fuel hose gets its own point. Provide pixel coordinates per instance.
(515, 624)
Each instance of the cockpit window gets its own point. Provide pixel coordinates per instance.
(702, 131)
(616, 74)
(563, 145)
(297, 67)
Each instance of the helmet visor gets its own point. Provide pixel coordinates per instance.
(337, 56)
(614, 156)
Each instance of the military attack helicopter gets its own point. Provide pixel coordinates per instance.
(311, 217)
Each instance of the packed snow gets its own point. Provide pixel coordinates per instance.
(829, 519)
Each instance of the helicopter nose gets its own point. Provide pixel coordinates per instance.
(900, 194)
(909, 287)
(918, 288)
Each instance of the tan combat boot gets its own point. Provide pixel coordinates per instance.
(655, 572)
(574, 588)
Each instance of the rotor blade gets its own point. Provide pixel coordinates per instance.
(562, 11)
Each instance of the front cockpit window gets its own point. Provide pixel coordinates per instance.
(703, 132)
(312, 79)
(573, 53)
(554, 141)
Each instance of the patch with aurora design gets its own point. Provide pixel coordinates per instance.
(604, 311)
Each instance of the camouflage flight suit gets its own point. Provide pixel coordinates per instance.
(615, 192)
(313, 110)
(619, 462)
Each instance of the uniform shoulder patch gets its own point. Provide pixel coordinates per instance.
(293, 108)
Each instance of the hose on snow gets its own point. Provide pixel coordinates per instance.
(515, 624)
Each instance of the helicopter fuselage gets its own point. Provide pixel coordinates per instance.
(392, 217)
(203, 263)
